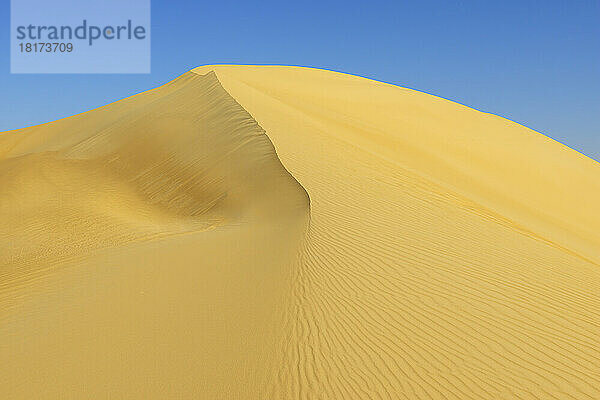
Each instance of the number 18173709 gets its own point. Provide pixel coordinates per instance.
(46, 47)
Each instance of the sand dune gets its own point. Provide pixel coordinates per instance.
(292, 233)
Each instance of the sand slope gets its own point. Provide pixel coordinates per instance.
(158, 247)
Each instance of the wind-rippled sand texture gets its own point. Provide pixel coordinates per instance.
(158, 247)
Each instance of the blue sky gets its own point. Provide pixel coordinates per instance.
(534, 62)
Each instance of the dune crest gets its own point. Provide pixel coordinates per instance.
(158, 247)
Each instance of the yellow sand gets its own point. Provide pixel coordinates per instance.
(292, 233)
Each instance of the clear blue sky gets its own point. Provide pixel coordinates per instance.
(534, 62)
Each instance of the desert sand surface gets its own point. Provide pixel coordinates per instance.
(247, 232)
